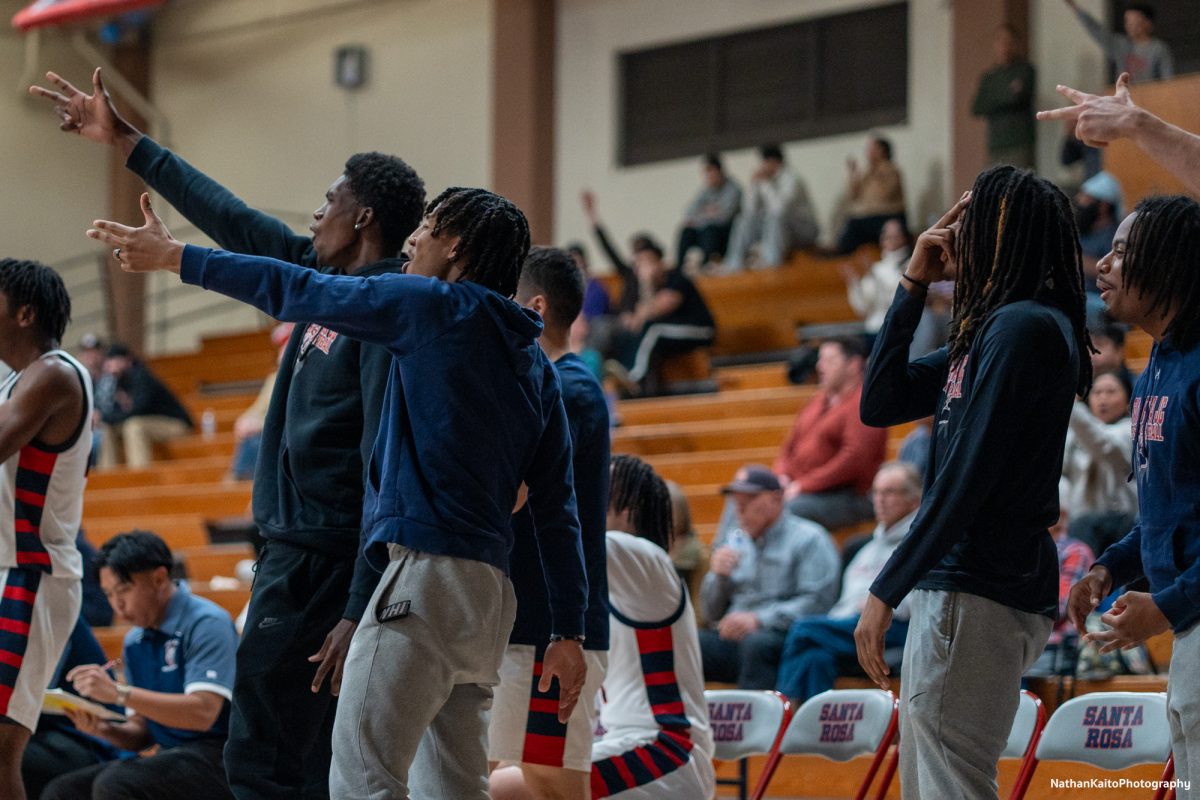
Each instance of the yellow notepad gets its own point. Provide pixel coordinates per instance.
(58, 701)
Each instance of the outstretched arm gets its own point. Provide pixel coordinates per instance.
(1100, 120)
(402, 312)
(206, 203)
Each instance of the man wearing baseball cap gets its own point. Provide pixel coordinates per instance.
(768, 570)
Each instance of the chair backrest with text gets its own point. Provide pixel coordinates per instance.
(743, 724)
(839, 725)
(1110, 730)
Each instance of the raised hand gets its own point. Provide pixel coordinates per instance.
(149, 248)
(91, 116)
(1099, 119)
(933, 254)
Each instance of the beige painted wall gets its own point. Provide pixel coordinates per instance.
(247, 87)
(652, 196)
(53, 184)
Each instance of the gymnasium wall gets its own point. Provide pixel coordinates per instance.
(652, 196)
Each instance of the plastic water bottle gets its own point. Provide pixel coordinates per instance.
(208, 424)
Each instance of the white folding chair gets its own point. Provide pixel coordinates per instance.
(743, 724)
(1110, 730)
(839, 725)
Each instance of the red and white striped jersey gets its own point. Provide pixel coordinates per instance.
(655, 681)
(41, 491)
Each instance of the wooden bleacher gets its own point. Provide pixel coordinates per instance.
(698, 441)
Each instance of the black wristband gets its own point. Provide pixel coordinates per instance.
(913, 280)
(570, 637)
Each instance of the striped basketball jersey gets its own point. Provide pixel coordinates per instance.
(654, 689)
(41, 491)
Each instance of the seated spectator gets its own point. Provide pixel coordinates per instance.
(653, 710)
(141, 411)
(871, 293)
(777, 216)
(1109, 340)
(596, 301)
(57, 746)
(1075, 558)
(1097, 214)
(670, 318)
(91, 355)
(248, 427)
(914, 448)
(876, 195)
(624, 269)
(708, 219)
(179, 664)
(829, 459)
(95, 609)
(1137, 51)
(686, 551)
(1083, 160)
(1005, 99)
(771, 569)
(1102, 501)
(819, 648)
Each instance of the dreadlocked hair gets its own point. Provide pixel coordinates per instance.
(493, 235)
(28, 283)
(1018, 242)
(1162, 262)
(637, 487)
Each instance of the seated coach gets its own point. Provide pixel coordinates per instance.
(179, 664)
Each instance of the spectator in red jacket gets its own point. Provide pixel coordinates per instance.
(828, 461)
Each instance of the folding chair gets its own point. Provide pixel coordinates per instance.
(1110, 730)
(1022, 743)
(839, 725)
(743, 724)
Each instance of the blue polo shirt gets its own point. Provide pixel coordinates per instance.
(193, 651)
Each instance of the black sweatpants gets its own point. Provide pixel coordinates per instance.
(279, 732)
(191, 771)
(53, 752)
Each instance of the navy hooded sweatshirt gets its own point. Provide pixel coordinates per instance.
(587, 415)
(1000, 426)
(1165, 544)
(472, 408)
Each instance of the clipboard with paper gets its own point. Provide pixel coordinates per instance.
(59, 701)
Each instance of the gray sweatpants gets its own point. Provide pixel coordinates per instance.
(959, 687)
(431, 669)
(1183, 711)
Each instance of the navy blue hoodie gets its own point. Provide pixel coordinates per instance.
(1000, 426)
(472, 408)
(1165, 544)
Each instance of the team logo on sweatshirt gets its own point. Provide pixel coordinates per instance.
(1148, 417)
(319, 337)
(954, 380)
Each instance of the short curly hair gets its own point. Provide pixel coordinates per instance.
(392, 189)
(29, 283)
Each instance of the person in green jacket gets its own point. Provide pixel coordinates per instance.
(1005, 100)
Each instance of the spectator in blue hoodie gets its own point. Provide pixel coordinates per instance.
(1152, 279)
(472, 411)
(979, 554)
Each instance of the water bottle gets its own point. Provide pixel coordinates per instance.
(208, 424)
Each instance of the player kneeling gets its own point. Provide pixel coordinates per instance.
(655, 741)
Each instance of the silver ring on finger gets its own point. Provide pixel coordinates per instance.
(117, 254)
